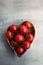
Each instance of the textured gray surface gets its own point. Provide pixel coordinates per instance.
(15, 11)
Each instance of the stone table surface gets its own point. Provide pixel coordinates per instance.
(16, 11)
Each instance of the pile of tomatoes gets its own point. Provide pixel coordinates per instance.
(20, 37)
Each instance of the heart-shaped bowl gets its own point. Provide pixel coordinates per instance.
(20, 37)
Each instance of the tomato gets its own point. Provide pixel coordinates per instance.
(23, 29)
(14, 43)
(9, 34)
(27, 44)
(13, 28)
(20, 50)
(28, 24)
(19, 37)
(31, 37)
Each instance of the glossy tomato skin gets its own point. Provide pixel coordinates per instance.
(9, 34)
(28, 24)
(23, 29)
(20, 50)
(19, 38)
(13, 28)
(13, 43)
(31, 37)
(27, 44)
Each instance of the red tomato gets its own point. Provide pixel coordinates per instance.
(19, 38)
(28, 24)
(9, 34)
(23, 29)
(20, 50)
(31, 37)
(27, 43)
(13, 43)
(13, 28)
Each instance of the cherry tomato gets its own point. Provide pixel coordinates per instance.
(19, 37)
(28, 24)
(14, 43)
(20, 50)
(13, 28)
(31, 37)
(9, 34)
(23, 29)
(27, 44)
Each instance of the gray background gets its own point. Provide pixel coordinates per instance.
(16, 11)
